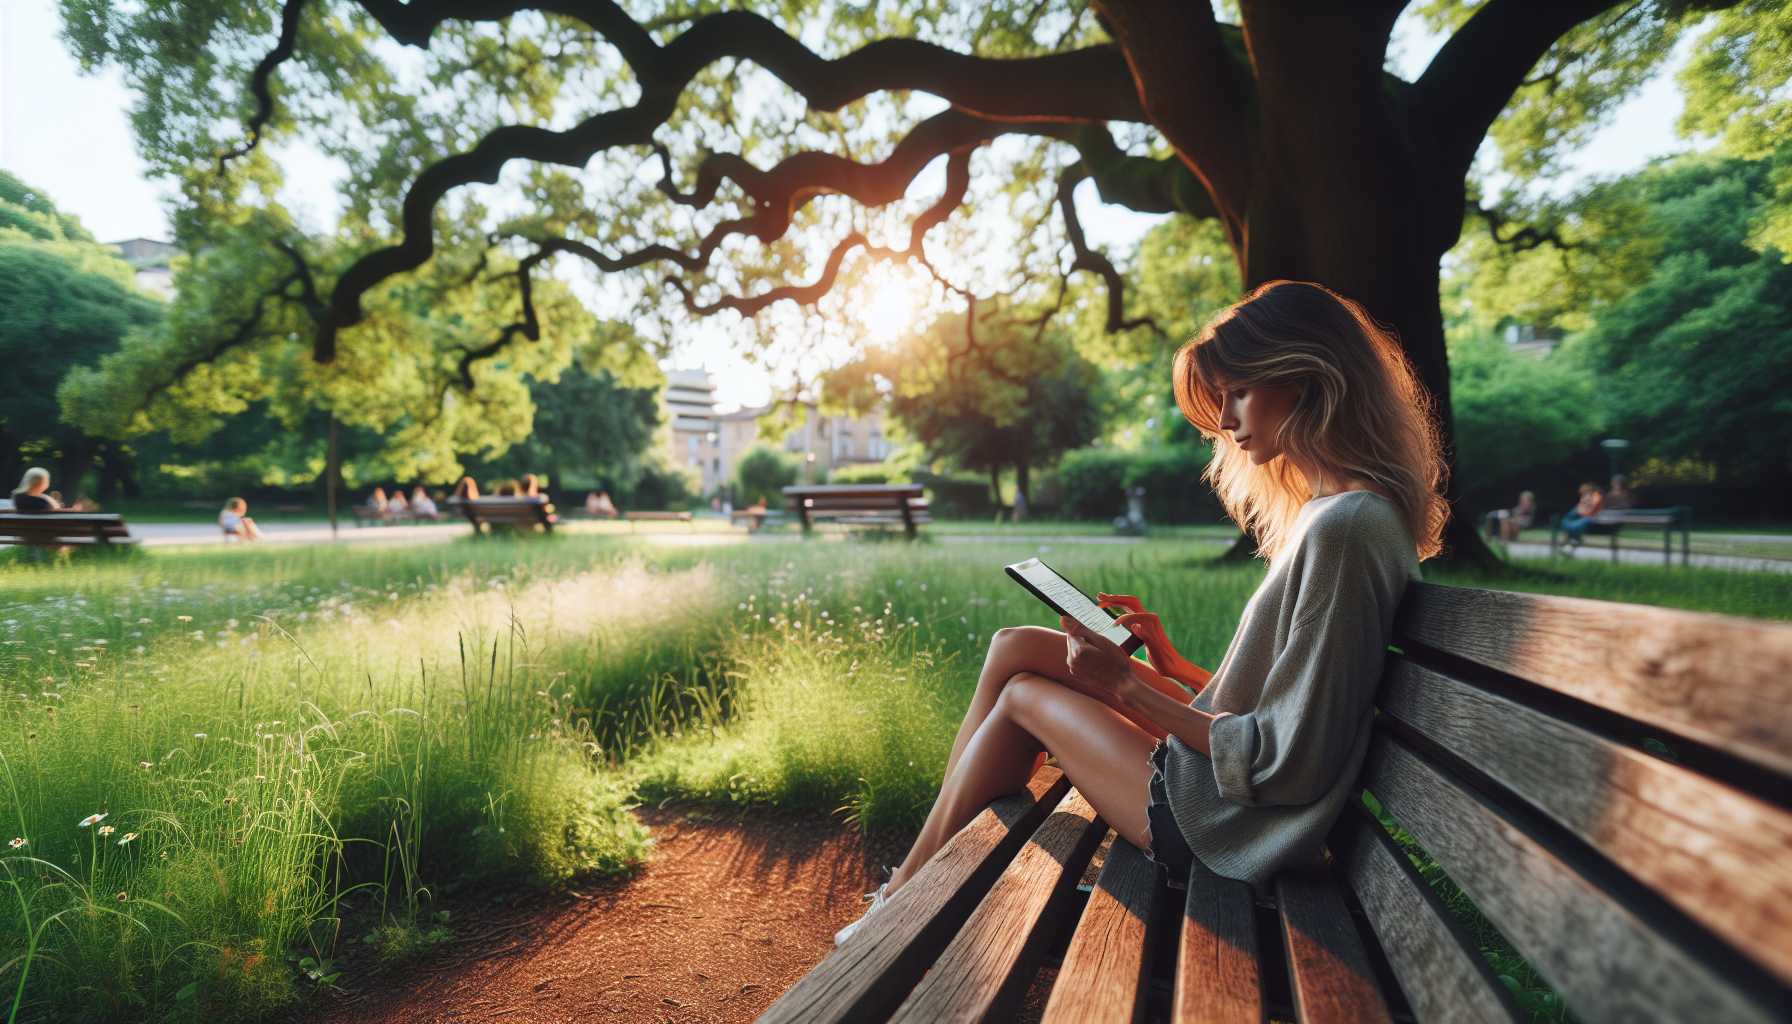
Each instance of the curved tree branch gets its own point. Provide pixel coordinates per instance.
(259, 82)
(1093, 259)
(1081, 85)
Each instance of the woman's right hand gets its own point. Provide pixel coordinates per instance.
(1149, 628)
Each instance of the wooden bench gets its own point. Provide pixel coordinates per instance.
(656, 517)
(55, 529)
(519, 513)
(1610, 522)
(1610, 784)
(859, 505)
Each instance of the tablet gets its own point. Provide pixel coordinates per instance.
(1063, 597)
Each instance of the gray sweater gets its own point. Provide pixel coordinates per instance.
(1294, 694)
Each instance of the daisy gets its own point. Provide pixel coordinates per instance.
(92, 819)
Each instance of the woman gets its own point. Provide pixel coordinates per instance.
(1575, 523)
(1326, 451)
(1519, 517)
(422, 505)
(30, 496)
(235, 522)
(466, 490)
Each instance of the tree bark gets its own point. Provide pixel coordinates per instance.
(1023, 499)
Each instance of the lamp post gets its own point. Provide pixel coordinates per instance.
(1614, 453)
(809, 468)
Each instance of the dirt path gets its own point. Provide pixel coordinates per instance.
(732, 910)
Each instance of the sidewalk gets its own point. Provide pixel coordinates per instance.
(1642, 556)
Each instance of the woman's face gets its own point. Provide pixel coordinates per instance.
(1252, 414)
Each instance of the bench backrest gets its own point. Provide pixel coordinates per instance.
(1610, 784)
(51, 527)
(847, 497)
(504, 510)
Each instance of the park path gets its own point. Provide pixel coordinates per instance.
(733, 908)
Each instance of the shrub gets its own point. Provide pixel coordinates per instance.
(1092, 483)
(764, 472)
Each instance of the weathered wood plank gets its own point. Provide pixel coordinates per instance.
(1217, 977)
(872, 972)
(1608, 963)
(1722, 856)
(1439, 969)
(1328, 969)
(1105, 970)
(1717, 679)
(985, 970)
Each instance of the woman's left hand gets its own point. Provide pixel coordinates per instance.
(1096, 660)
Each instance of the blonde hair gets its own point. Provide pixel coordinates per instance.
(32, 476)
(1361, 410)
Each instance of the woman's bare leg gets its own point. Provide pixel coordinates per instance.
(1105, 755)
(1035, 649)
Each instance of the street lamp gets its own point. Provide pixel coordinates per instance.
(1614, 452)
(809, 468)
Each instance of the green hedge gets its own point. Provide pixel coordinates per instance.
(1091, 484)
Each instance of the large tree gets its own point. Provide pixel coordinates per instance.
(752, 156)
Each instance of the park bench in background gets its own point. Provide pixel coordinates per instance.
(54, 529)
(519, 513)
(1607, 783)
(859, 505)
(365, 514)
(1611, 521)
(755, 518)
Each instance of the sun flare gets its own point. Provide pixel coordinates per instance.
(895, 299)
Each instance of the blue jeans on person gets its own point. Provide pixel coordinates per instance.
(1574, 525)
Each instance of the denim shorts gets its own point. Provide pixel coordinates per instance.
(1169, 850)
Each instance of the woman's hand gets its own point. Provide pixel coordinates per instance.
(1149, 628)
(1096, 660)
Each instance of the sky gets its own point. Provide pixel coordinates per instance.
(70, 134)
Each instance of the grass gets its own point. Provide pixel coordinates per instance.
(307, 746)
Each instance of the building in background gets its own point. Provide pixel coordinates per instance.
(711, 444)
(153, 262)
(1527, 340)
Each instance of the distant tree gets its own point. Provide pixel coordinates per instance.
(587, 427)
(1515, 411)
(1017, 400)
(69, 302)
(763, 472)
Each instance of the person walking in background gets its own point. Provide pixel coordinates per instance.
(1591, 503)
(422, 505)
(1620, 496)
(30, 495)
(235, 521)
(1519, 517)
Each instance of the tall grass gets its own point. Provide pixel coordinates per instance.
(283, 740)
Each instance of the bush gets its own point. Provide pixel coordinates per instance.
(868, 473)
(956, 496)
(1092, 484)
(660, 487)
(764, 472)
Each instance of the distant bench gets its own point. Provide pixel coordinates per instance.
(1606, 782)
(520, 513)
(656, 517)
(755, 518)
(1611, 521)
(55, 529)
(860, 505)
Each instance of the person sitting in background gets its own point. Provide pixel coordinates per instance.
(84, 504)
(1591, 503)
(1620, 496)
(31, 496)
(422, 505)
(1519, 517)
(235, 521)
(396, 504)
(508, 489)
(466, 490)
(598, 503)
(377, 500)
(531, 488)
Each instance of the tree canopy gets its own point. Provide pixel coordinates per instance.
(703, 160)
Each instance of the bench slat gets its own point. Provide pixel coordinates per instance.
(873, 971)
(985, 970)
(1608, 963)
(1720, 855)
(1217, 978)
(1439, 968)
(1716, 679)
(1106, 968)
(1327, 967)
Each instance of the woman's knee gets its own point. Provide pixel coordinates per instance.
(1022, 694)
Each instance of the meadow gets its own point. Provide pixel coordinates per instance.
(219, 766)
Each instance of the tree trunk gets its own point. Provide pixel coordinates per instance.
(332, 474)
(1023, 500)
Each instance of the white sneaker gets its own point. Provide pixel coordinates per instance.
(878, 899)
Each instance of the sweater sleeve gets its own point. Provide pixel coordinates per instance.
(1320, 688)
